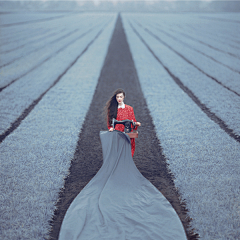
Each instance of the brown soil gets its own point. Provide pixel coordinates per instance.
(118, 72)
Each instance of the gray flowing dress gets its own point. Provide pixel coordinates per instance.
(119, 203)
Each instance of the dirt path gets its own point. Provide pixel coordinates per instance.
(118, 72)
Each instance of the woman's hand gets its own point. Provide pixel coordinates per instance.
(111, 129)
(138, 124)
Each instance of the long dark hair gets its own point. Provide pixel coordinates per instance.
(112, 106)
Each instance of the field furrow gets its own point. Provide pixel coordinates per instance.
(201, 155)
(33, 47)
(218, 35)
(201, 63)
(17, 35)
(24, 94)
(38, 162)
(189, 42)
(10, 22)
(223, 103)
(19, 69)
(8, 40)
(181, 74)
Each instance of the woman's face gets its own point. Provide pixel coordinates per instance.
(120, 98)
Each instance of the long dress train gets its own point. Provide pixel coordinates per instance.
(119, 203)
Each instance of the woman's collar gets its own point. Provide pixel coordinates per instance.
(121, 106)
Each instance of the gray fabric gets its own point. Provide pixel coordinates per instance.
(119, 203)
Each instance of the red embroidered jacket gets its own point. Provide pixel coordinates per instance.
(122, 114)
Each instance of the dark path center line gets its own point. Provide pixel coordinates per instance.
(118, 72)
(202, 106)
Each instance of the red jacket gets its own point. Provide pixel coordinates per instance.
(122, 114)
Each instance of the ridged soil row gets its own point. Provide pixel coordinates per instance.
(49, 57)
(25, 113)
(188, 61)
(202, 106)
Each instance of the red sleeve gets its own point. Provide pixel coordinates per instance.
(132, 117)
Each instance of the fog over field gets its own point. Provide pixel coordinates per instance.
(124, 5)
(187, 59)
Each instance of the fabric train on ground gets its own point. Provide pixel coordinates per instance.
(119, 203)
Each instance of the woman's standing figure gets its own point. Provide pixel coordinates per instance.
(116, 108)
(119, 203)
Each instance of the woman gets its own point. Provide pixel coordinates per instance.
(119, 203)
(116, 108)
